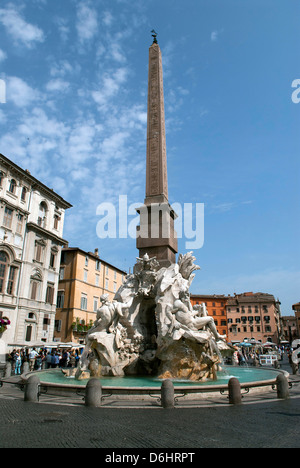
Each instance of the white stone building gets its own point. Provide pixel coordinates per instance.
(31, 230)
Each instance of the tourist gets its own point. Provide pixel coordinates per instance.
(55, 360)
(32, 357)
(48, 360)
(38, 362)
(72, 362)
(18, 362)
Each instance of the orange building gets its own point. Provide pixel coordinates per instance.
(83, 278)
(216, 308)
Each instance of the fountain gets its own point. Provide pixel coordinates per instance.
(150, 328)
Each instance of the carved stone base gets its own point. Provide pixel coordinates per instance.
(185, 359)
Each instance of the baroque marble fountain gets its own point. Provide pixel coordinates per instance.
(151, 328)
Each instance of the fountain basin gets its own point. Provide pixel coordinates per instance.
(54, 382)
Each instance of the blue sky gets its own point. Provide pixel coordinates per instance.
(75, 116)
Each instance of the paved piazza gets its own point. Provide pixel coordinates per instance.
(67, 423)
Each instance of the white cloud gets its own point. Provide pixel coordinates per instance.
(57, 85)
(3, 55)
(18, 28)
(214, 37)
(87, 22)
(107, 18)
(20, 93)
(110, 86)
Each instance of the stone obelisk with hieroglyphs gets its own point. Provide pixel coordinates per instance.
(156, 235)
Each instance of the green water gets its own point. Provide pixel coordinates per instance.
(243, 374)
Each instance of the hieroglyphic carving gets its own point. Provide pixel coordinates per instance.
(156, 148)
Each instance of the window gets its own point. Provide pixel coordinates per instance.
(97, 280)
(52, 259)
(7, 217)
(60, 299)
(42, 214)
(3, 266)
(12, 186)
(115, 275)
(83, 304)
(23, 194)
(46, 322)
(115, 286)
(61, 274)
(98, 265)
(11, 280)
(1, 177)
(85, 276)
(106, 271)
(56, 221)
(50, 293)
(106, 284)
(86, 261)
(19, 223)
(57, 325)
(28, 333)
(95, 304)
(34, 290)
(38, 252)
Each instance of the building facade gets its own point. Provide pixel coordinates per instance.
(216, 308)
(31, 238)
(289, 328)
(253, 315)
(296, 309)
(83, 278)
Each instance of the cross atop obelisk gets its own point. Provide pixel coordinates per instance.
(156, 235)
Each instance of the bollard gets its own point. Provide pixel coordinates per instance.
(295, 368)
(7, 370)
(234, 389)
(25, 367)
(282, 387)
(32, 389)
(167, 394)
(93, 393)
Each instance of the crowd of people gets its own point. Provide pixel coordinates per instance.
(43, 359)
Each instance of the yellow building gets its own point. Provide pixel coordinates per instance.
(83, 278)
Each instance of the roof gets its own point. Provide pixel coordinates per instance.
(246, 298)
(93, 255)
(26, 174)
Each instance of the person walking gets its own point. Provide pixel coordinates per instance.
(32, 357)
(18, 362)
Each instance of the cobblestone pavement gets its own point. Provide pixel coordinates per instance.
(55, 422)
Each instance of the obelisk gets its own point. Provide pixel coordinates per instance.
(156, 235)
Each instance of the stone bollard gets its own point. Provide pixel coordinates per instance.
(7, 370)
(25, 367)
(295, 368)
(93, 393)
(234, 389)
(276, 364)
(282, 387)
(167, 394)
(32, 389)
